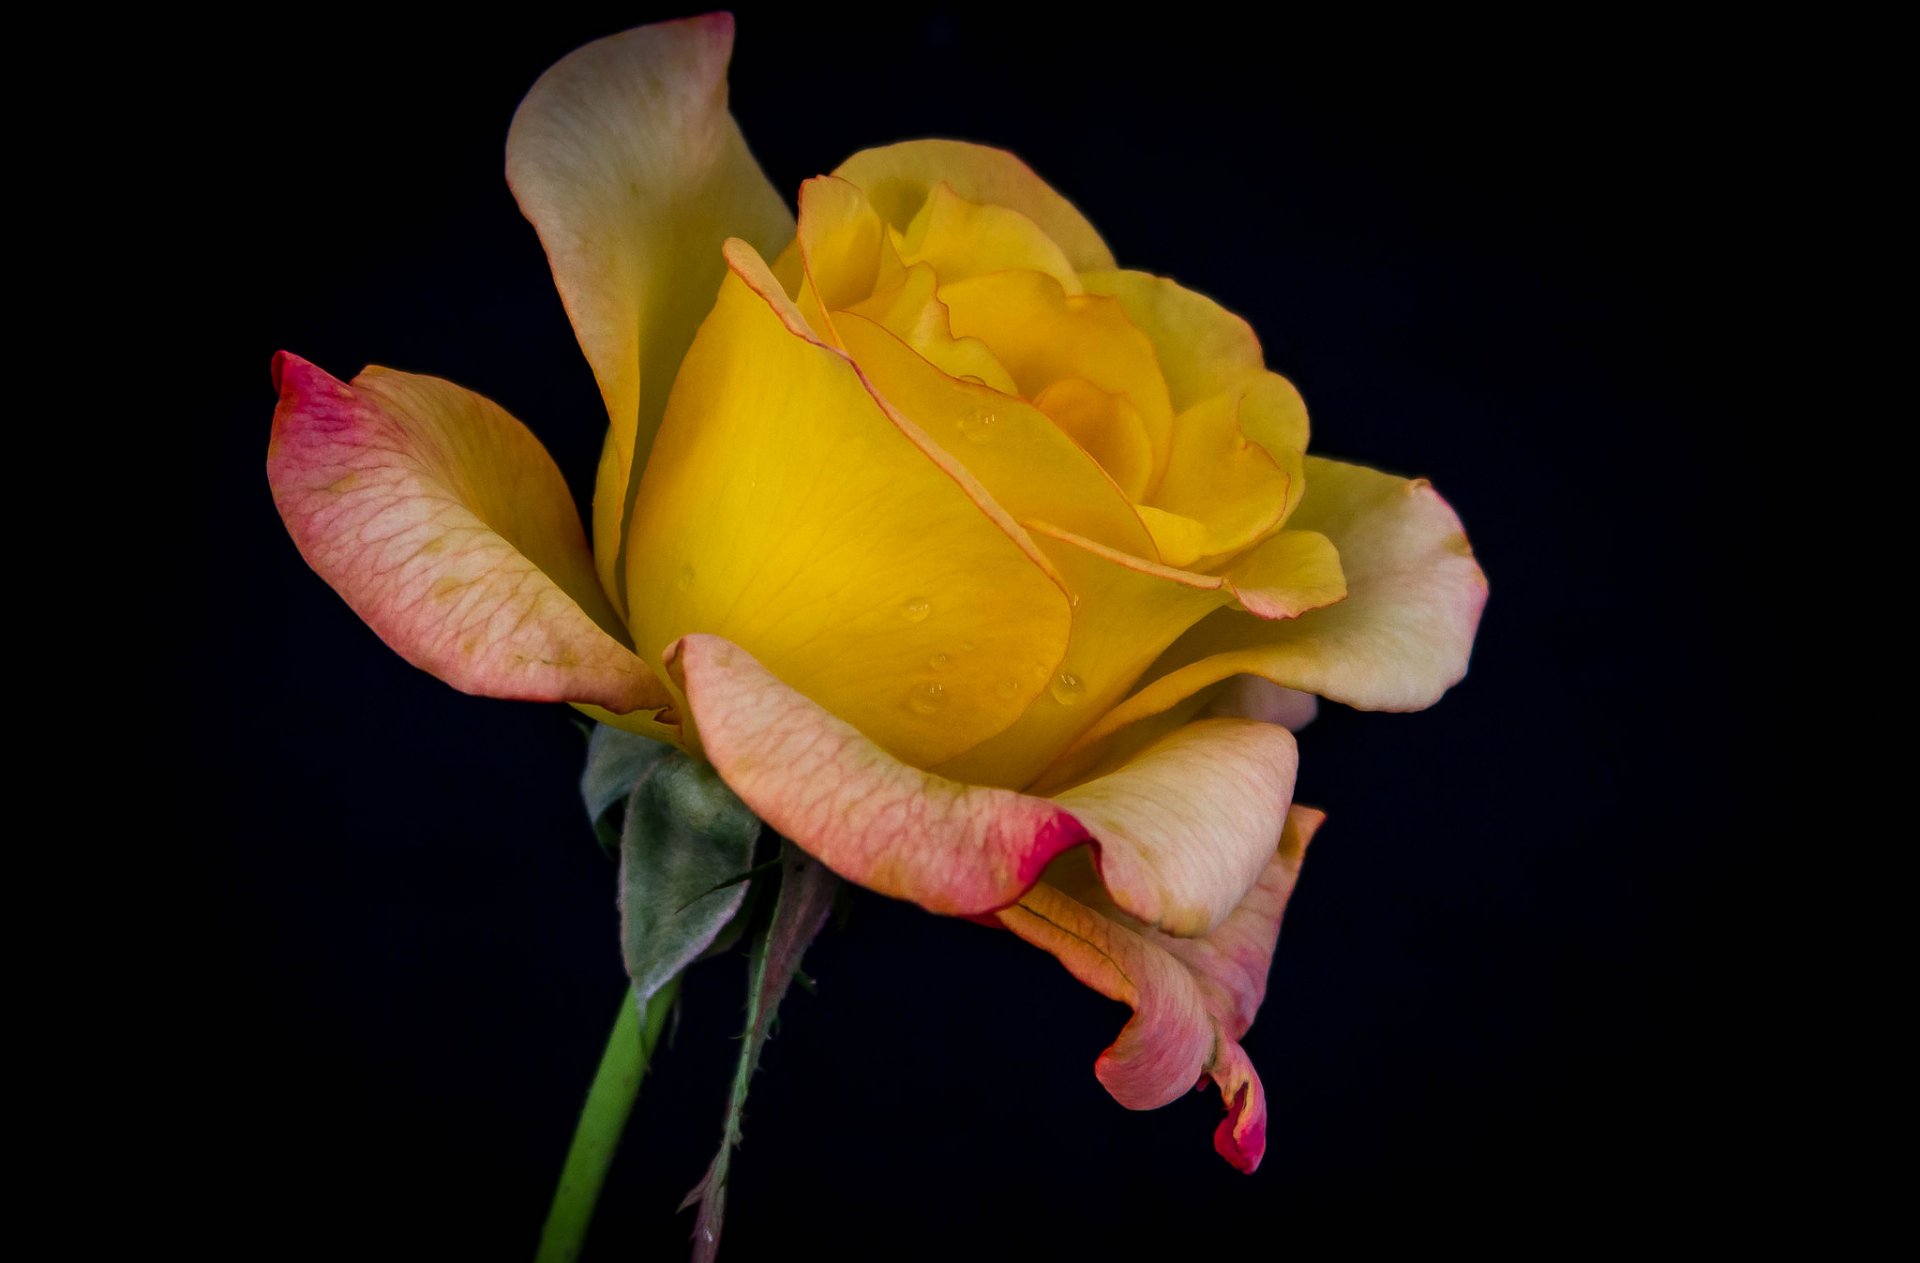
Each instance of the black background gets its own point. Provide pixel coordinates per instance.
(1486, 255)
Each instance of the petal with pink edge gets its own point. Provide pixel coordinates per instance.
(1186, 826)
(625, 159)
(958, 850)
(447, 527)
(1193, 999)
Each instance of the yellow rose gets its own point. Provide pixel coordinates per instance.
(950, 543)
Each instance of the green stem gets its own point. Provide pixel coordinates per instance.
(609, 1101)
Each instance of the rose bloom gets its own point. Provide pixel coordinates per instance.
(978, 566)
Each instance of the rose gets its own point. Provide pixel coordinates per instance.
(950, 544)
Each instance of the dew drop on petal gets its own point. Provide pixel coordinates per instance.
(939, 661)
(978, 427)
(916, 610)
(967, 646)
(1067, 688)
(926, 698)
(1008, 688)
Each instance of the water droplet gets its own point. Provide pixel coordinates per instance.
(926, 698)
(1066, 688)
(939, 661)
(967, 646)
(1009, 688)
(916, 610)
(685, 580)
(979, 427)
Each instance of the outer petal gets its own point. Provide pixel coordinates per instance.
(899, 177)
(1400, 639)
(1187, 826)
(446, 526)
(626, 161)
(1183, 831)
(791, 510)
(1192, 998)
(958, 850)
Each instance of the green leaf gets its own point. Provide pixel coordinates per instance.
(616, 761)
(807, 889)
(685, 838)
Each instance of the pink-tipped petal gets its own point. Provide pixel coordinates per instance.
(1186, 826)
(447, 527)
(1192, 998)
(958, 850)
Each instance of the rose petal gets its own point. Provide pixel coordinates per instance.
(958, 850)
(1235, 466)
(1029, 466)
(1043, 334)
(1126, 612)
(1193, 999)
(790, 510)
(446, 526)
(898, 178)
(626, 161)
(1250, 697)
(1186, 826)
(1400, 639)
(1205, 350)
(962, 238)
(1183, 830)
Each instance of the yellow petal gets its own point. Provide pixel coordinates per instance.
(1205, 350)
(447, 527)
(631, 169)
(898, 179)
(963, 239)
(1126, 611)
(1023, 460)
(1044, 335)
(1235, 466)
(1107, 426)
(842, 249)
(912, 312)
(1398, 641)
(791, 512)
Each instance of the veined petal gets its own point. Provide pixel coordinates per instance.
(898, 178)
(1193, 999)
(629, 166)
(1043, 334)
(447, 527)
(963, 239)
(1205, 350)
(1400, 639)
(790, 509)
(1187, 825)
(958, 850)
